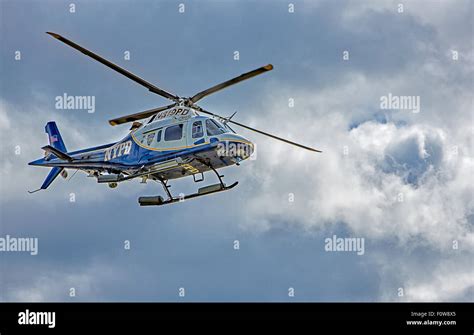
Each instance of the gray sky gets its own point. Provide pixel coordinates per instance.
(398, 179)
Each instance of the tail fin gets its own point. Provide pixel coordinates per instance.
(55, 139)
(56, 142)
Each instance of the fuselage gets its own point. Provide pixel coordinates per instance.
(173, 144)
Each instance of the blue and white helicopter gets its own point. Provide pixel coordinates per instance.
(177, 141)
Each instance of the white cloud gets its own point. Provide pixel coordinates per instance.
(432, 277)
(443, 287)
(408, 179)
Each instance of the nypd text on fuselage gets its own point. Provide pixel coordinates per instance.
(118, 150)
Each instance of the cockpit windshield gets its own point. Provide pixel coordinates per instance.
(214, 127)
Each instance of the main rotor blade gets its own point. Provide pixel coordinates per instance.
(138, 116)
(117, 68)
(231, 82)
(258, 131)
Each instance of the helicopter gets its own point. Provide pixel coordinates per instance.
(178, 140)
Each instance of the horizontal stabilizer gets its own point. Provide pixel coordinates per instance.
(57, 153)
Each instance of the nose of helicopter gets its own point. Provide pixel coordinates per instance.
(236, 146)
(246, 147)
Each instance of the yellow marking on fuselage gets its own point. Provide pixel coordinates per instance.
(190, 168)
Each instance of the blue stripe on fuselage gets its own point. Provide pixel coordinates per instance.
(136, 158)
(104, 146)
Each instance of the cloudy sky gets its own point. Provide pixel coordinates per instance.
(402, 181)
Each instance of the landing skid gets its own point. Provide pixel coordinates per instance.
(159, 201)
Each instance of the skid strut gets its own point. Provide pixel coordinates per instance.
(158, 200)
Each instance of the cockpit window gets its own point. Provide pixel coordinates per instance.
(149, 138)
(174, 133)
(214, 128)
(197, 129)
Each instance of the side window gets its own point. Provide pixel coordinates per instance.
(158, 136)
(197, 129)
(213, 128)
(174, 133)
